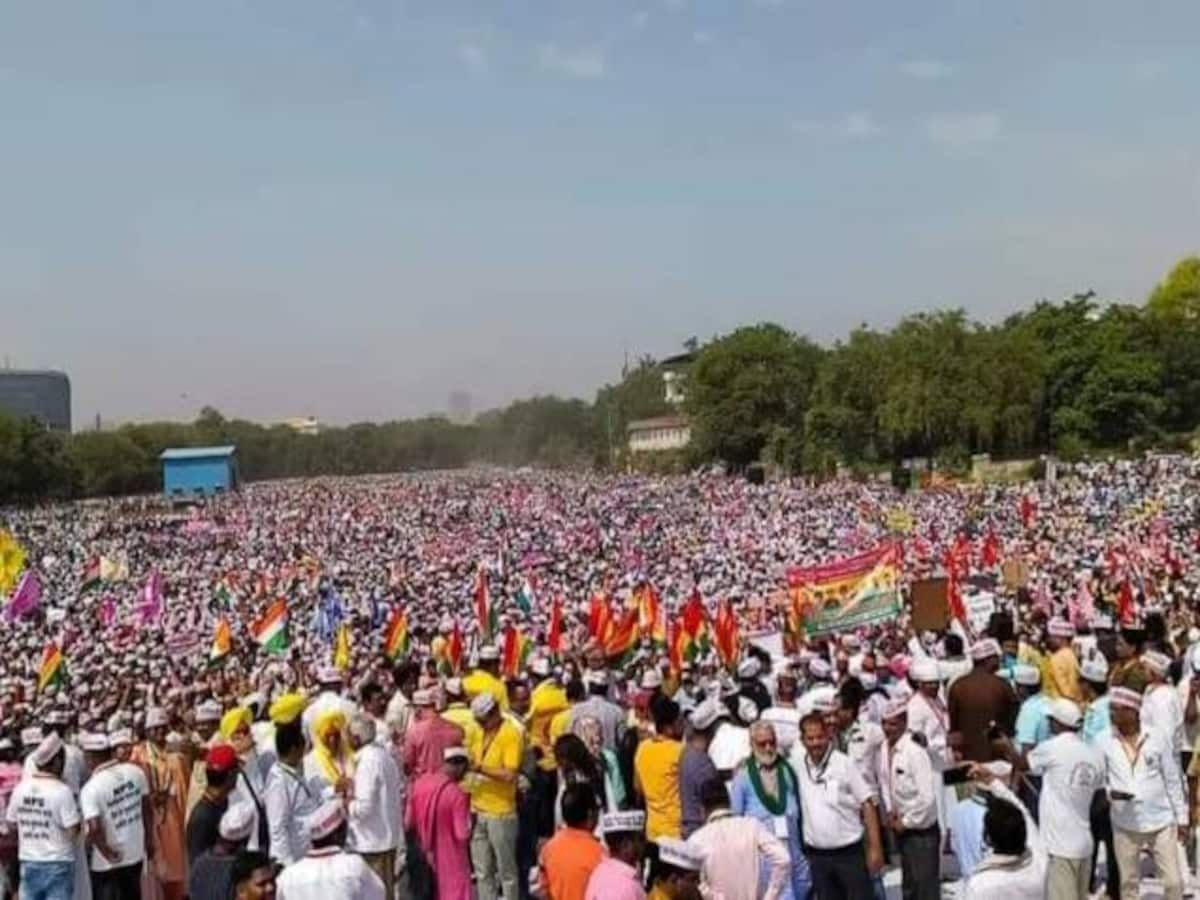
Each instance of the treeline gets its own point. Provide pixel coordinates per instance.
(1066, 377)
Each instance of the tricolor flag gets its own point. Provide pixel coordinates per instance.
(694, 621)
(395, 641)
(725, 634)
(91, 575)
(53, 668)
(454, 651)
(270, 632)
(622, 638)
(223, 596)
(222, 643)
(526, 597)
(483, 605)
(341, 649)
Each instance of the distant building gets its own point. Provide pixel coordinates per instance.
(45, 396)
(658, 434)
(303, 425)
(458, 410)
(674, 373)
(193, 472)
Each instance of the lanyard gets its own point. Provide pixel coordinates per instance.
(819, 777)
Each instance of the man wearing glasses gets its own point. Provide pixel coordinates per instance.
(839, 815)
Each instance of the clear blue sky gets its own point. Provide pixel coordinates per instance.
(351, 207)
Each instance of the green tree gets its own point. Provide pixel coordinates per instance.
(1177, 297)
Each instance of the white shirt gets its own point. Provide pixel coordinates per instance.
(1152, 776)
(289, 799)
(397, 714)
(734, 848)
(329, 874)
(1162, 710)
(730, 747)
(786, 721)
(1190, 732)
(832, 794)
(326, 701)
(250, 788)
(113, 795)
(72, 774)
(864, 745)
(1071, 773)
(1001, 877)
(911, 787)
(44, 811)
(930, 719)
(375, 806)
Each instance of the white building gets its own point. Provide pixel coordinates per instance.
(661, 433)
(303, 425)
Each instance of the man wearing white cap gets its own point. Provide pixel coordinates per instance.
(909, 793)
(1060, 672)
(486, 678)
(437, 822)
(330, 699)
(927, 714)
(1161, 709)
(981, 700)
(328, 871)
(375, 807)
(618, 876)
(1071, 774)
(1149, 803)
(115, 804)
(496, 761)
(1032, 726)
(43, 809)
(611, 717)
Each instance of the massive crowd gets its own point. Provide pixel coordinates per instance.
(1044, 751)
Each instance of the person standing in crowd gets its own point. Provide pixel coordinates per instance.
(428, 736)
(250, 785)
(496, 762)
(458, 712)
(329, 871)
(375, 802)
(1060, 670)
(210, 877)
(927, 715)
(437, 820)
(597, 706)
(841, 823)
(406, 677)
(980, 701)
(589, 731)
(656, 772)
(742, 859)
(783, 714)
(618, 876)
(486, 678)
(1071, 774)
(859, 738)
(695, 765)
(766, 789)
(909, 795)
(576, 766)
(329, 764)
(1032, 725)
(167, 775)
(1161, 708)
(329, 700)
(1145, 789)
(288, 797)
(207, 716)
(568, 859)
(253, 877)
(43, 809)
(115, 805)
(1093, 687)
(1015, 869)
(373, 703)
(220, 775)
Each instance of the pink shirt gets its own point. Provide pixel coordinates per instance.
(424, 742)
(614, 880)
(440, 812)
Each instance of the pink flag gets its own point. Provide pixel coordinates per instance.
(150, 609)
(1084, 605)
(108, 610)
(25, 598)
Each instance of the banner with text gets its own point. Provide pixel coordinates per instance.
(848, 593)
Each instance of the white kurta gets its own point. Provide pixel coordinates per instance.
(329, 874)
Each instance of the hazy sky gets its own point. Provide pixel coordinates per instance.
(351, 207)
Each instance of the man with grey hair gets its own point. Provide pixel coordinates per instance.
(375, 803)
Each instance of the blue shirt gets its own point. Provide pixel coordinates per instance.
(1032, 725)
(966, 833)
(1096, 723)
(744, 802)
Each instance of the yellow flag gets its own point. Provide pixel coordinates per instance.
(12, 562)
(341, 648)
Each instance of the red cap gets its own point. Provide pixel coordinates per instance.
(221, 758)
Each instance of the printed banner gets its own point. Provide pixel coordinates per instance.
(848, 593)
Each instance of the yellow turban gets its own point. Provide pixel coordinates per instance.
(234, 720)
(287, 709)
(334, 766)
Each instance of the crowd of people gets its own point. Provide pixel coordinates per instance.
(1044, 751)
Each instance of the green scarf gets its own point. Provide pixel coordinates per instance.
(776, 806)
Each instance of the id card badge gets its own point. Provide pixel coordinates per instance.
(780, 827)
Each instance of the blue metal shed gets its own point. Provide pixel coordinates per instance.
(198, 471)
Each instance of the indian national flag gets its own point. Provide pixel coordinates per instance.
(91, 575)
(53, 668)
(395, 641)
(270, 632)
(222, 643)
(224, 596)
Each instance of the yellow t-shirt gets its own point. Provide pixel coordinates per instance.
(460, 715)
(500, 750)
(547, 701)
(656, 767)
(1060, 675)
(481, 682)
(559, 725)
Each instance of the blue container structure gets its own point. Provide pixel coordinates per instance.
(190, 472)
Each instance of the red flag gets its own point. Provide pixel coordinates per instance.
(725, 634)
(483, 604)
(454, 648)
(991, 549)
(1026, 510)
(1125, 603)
(599, 616)
(554, 640)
